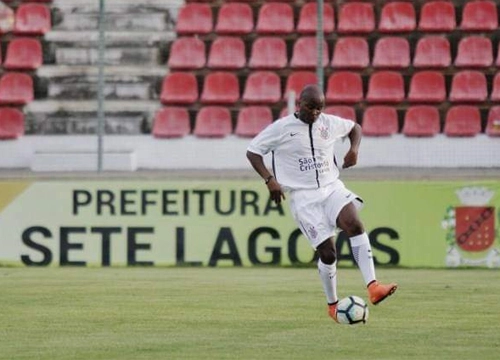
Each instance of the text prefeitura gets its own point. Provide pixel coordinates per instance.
(168, 202)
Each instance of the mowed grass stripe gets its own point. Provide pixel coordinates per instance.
(242, 313)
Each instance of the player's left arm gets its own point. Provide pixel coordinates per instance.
(351, 157)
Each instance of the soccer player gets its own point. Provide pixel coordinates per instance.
(302, 147)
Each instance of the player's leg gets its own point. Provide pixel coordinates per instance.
(308, 212)
(348, 220)
(327, 267)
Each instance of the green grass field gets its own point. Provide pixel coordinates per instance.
(242, 313)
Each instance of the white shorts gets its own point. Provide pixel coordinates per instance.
(316, 210)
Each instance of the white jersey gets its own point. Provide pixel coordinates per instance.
(303, 154)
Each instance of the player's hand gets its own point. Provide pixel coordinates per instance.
(275, 191)
(350, 159)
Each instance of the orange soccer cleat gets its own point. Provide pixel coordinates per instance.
(378, 292)
(332, 311)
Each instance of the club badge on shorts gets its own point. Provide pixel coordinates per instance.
(311, 230)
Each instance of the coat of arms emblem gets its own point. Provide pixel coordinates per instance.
(471, 229)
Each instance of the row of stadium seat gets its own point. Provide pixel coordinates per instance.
(215, 121)
(391, 52)
(30, 19)
(353, 17)
(264, 87)
(419, 121)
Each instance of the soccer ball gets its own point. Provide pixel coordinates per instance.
(352, 310)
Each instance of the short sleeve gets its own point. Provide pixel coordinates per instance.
(267, 140)
(340, 127)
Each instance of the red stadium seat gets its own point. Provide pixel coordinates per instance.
(343, 111)
(227, 53)
(213, 121)
(11, 123)
(351, 53)
(308, 19)
(437, 16)
(397, 16)
(234, 19)
(421, 120)
(171, 122)
(179, 88)
(297, 80)
(495, 92)
(305, 53)
(7, 18)
(262, 87)
(462, 120)
(493, 125)
(474, 51)
(32, 19)
(221, 88)
(427, 87)
(194, 18)
(275, 19)
(16, 89)
(356, 18)
(391, 53)
(252, 120)
(479, 15)
(268, 53)
(344, 87)
(380, 121)
(468, 86)
(432, 52)
(187, 53)
(23, 54)
(386, 87)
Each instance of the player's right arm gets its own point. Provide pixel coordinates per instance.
(273, 186)
(265, 142)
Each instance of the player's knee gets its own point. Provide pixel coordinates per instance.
(328, 258)
(357, 229)
(353, 228)
(327, 254)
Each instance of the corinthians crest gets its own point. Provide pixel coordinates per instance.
(471, 230)
(324, 132)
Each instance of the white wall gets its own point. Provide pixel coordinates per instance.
(229, 153)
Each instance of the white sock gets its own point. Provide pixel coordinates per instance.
(328, 276)
(362, 251)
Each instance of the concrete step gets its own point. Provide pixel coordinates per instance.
(80, 117)
(80, 124)
(117, 6)
(81, 82)
(112, 56)
(87, 73)
(83, 91)
(115, 22)
(90, 38)
(90, 106)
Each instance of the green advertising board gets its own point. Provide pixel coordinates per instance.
(233, 223)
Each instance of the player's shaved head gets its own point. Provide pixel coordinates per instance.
(311, 92)
(311, 102)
